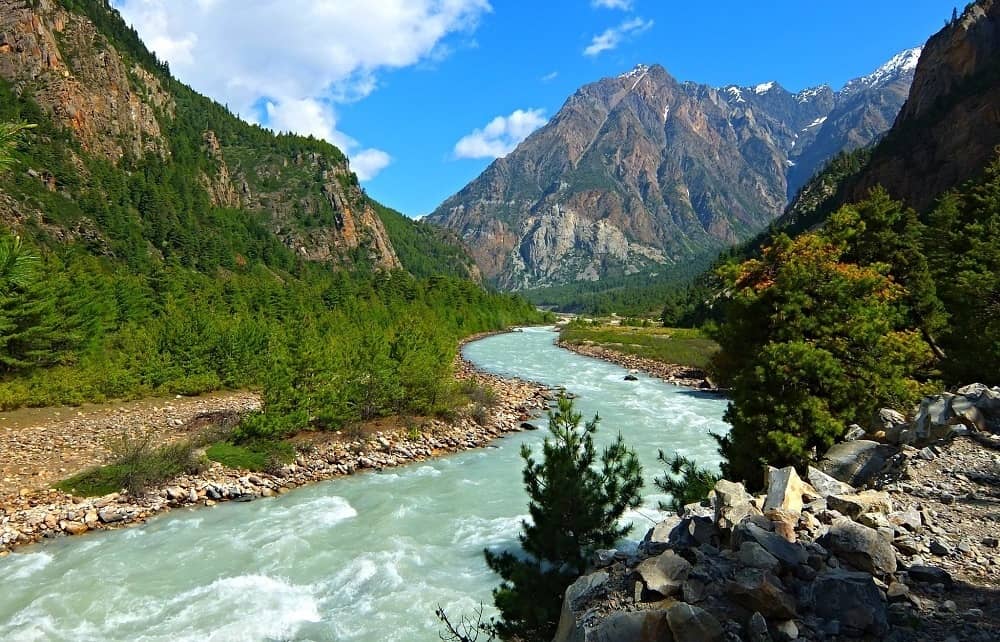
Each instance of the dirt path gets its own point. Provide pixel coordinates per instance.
(40, 446)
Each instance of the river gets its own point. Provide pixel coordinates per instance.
(363, 558)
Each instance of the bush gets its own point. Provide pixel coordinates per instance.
(135, 466)
(685, 481)
(258, 456)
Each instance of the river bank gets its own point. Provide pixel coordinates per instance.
(669, 372)
(30, 515)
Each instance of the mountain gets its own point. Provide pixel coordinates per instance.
(946, 133)
(642, 171)
(109, 112)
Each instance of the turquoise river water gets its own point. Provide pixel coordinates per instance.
(363, 558)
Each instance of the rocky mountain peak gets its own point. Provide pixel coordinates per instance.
(639, 171)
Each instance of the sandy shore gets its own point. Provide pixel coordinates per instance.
(33, 512)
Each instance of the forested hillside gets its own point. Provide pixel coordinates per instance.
(153, 243)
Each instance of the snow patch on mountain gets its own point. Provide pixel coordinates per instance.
(735, 93)
(902, 63)
(763, 88)
(636, 72)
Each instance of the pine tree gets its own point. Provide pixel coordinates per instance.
(575, 507)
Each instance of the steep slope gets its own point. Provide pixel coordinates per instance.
(950, 125)
(946, 133)
(641, 171)
(111, 110)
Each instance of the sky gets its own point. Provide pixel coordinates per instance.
(423, 94)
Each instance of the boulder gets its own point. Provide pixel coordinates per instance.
(929, 574)
(855, 462)
(660, 534)
(570, 630)
(935, 417)
(732, 504)
(854, 431)
(692, 532)
(983, 397)
(891, 422)
(111, 515)
(785, 490)
(75, 528)
(861, 546)
(853, 599)
(758, 590)
(826, 485)
(664, 574)
(789, 554)
(967, 414)
(634, 626)
(631, 377)
(857, 504)
(692, 624)
(908, 518)
(754, 555)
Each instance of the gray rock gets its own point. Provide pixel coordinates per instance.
(868, 501)
(789, 554)
(732, 504)
(660, 534)
(757, 629)
(692, 624)
(860, 545)
(754, 555)
(785, 490)
(851, 599)
(571, 630)
(929, 575)
(966, 413)
(111, 515)
(854, 432)
(786, 630)
(856, 462)
(758, 590)
(935, 417)
(664, 574)
(635, 626)
(826, 485)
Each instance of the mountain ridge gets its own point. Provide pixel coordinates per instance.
(640, 171)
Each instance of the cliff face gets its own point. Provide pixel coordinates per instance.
(641, 171)
(950, 125)
(118, 108)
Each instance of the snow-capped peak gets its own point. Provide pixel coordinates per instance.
(806, 95)
(901, 63)
(763, 88)
(635, 72)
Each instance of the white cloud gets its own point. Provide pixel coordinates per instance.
(611, 38)
(624, 5)
(501, 135)
(369, 162)
(287, 62)
(549, 77)
(311, 117)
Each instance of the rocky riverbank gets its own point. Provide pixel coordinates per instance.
(33, 515)
(671, 373)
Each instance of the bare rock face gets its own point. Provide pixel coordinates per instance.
(950, 125)
(641, 171)
(116, 107)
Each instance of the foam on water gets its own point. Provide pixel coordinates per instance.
(359, 559)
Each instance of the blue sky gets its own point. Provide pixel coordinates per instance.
(399, 83)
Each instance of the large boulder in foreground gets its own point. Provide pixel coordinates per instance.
(861, 546)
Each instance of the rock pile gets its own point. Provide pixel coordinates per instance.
(913, 558)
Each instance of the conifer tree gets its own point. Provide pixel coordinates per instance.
(575, 501)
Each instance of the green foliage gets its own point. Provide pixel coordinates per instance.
(962, 241)
(425, 250)
(811, 343)
(575, 501)
(136, 465)
(682, 346)
(684, 481)
(256, 456)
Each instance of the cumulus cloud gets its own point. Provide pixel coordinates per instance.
(614, 36)
(288, 62)
(501, 135)
(624, 5)
(369, 162)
